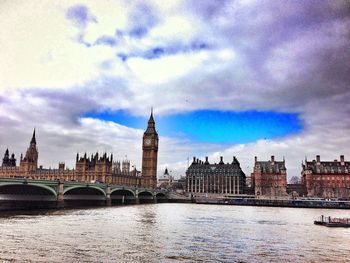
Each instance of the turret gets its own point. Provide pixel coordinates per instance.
(30, 161)
(13, 160)
(6, 159)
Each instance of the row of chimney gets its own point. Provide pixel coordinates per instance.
(318, 160)
(342, 159)
(197, 161)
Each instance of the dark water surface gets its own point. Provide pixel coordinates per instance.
(173, 233)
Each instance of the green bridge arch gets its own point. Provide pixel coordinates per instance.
(83, 187)
(50, 189)
(146, 191)
(123, 189)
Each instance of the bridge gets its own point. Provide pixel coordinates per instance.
(66, 193)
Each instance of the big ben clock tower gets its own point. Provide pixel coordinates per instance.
(149, 155)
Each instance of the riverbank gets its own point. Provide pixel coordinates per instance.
(300, 203)
(275, 202)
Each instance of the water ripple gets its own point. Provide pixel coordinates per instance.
(173, 233)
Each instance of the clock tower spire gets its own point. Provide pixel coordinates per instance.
(149, 155)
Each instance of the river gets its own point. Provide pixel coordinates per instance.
(173, 233)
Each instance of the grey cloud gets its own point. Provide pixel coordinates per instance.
(106, 40)
(80, 15)
(291, 56)
(142, 17)
(61, 130)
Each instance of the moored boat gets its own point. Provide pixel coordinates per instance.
(332, 222)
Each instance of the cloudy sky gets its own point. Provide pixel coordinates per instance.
(231, 78)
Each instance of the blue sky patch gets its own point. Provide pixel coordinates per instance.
(212, 126)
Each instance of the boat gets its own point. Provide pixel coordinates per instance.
(332, 222)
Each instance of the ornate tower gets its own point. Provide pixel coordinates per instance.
(30, 161)
(6, 159)
(149, 155)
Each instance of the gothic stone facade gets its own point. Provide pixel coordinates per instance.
(221, 178)
(269, 178)
(150, 155)
(89, 169)
(326, 179)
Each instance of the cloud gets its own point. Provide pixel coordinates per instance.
(106, 40)
(142, 18)
(80, 15)
(177, 56)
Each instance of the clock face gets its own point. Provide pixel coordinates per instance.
(148, 142)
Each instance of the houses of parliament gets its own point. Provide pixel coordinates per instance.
(94, 168)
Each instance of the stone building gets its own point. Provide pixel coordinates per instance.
(166, 180)
(221, 178)
(93, 169)
(269, 178)
(326, 179)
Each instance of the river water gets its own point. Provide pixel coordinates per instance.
(173, 233)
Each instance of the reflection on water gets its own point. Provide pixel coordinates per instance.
(171, 233)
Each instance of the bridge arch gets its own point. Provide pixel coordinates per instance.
(123, 196)
(145, 192)
(11, 188)
(161, 197)
(121, 190)
(81, 187)
(146, 197)
(84, 195)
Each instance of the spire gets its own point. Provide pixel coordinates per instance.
(151, 129)
(151, 120)
(33, 141)
(7, 152)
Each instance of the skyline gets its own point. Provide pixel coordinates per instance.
(86, 75)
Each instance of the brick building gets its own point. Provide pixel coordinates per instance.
(269, 178)
(221, 178)
(327, 179)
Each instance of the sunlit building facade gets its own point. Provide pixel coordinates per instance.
(269, 178)
(215, 178)
(326, 179)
